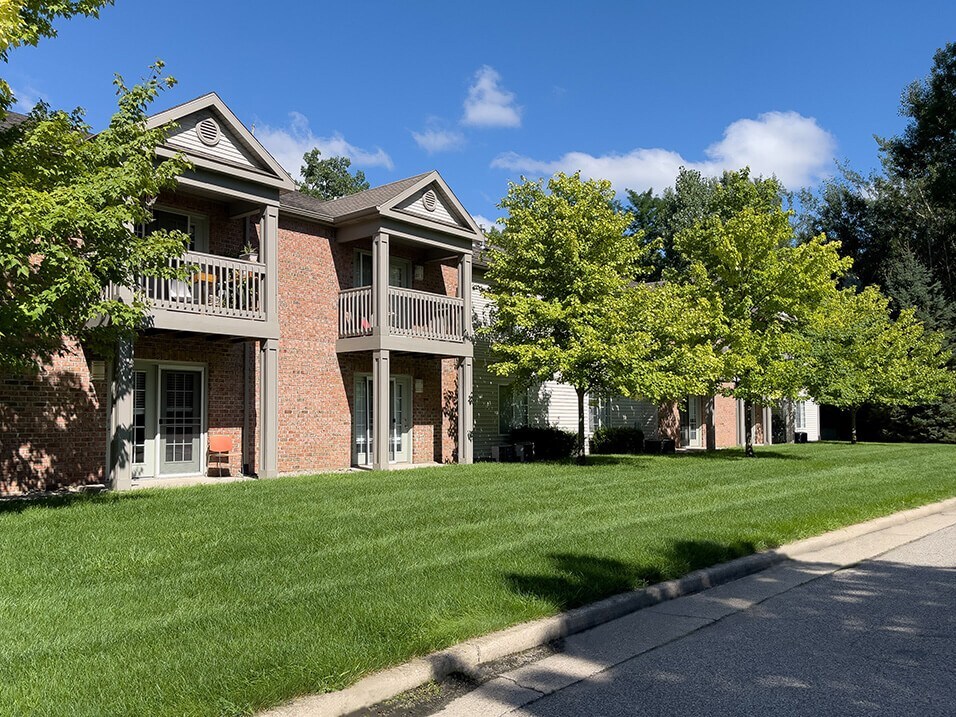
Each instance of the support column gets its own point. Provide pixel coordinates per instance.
(121, 419)
(380, 262)
(466, 420)
(269, 249)
(464, 291)
(268, 408)
(767, 426)
(381, 410)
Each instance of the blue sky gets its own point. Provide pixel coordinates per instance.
(487, 91)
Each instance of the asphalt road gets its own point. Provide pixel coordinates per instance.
(876, 639)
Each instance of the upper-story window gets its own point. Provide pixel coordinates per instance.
(399, 271)
(195, 225)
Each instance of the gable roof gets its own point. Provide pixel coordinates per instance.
(387, 201)
(263, 166)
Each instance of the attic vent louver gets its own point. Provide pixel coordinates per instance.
(208, 132)
(429, 200)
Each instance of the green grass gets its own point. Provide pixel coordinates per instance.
(219, 600)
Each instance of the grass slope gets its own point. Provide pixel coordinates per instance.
(219, 600)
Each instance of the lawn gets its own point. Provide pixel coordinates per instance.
(219, 600)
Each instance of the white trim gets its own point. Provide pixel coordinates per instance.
(408, 380)
(160, 366)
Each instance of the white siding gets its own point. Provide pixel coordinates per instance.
(626, 412)
(229, 148)
(442, 212)
(812, 427)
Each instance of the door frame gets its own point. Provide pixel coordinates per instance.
(409, 384)
(697, 442)
(158, 366)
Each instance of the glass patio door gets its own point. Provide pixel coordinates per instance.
(180, 422)
(399, 444)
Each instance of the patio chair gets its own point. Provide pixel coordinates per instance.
(220, 451)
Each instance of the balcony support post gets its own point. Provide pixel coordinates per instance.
(268, 408)
(465, 411)
(381, 409)
(269, 249)
(464, 292)
(380, 284)
(120, 463)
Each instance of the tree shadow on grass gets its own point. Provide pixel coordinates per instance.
(577, 579)
(18, 504)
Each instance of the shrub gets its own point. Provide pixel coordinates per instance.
(622, 439)
(550, 443)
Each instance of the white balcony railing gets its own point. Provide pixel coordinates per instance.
(412, 313)
(215, 286)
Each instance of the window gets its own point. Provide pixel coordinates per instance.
(399, 270)
(512, 408)
(195, 225)
(139, 417)
(800, 415)
(600, 413)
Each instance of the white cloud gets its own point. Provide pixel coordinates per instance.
(488, 103)
(288, 144)
(27, 98)
(486, 223)
(436, 139)
(786, 144)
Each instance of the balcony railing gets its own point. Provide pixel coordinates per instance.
(214, 286)
(416, 314)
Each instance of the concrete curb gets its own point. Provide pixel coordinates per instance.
(467, 656)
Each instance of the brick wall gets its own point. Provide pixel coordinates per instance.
(53, 426)
(725, 421)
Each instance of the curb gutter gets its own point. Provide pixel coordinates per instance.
(465, 657)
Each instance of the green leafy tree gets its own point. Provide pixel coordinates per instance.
(69, 204)
(900, 227)
(561, 273)
(744, 259)
(856, 354)
(330, 178)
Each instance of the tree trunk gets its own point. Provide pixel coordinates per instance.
(748, 428)
(853, 424)
(580, 451)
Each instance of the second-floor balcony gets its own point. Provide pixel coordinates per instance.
(413, 319)
(211, 286)
(212, 295)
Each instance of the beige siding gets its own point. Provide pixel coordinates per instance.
(229, 148)
(442, 213)
(812, 427)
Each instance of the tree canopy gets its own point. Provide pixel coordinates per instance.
(330, 178)
(562, 276)
(742, 256)
(899, 225)
(856, 354)
(69, 207)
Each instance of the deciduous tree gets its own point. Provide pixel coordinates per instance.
(69, 206)
(856, 354)
(330, 178)
(563, 275)
(742, 256)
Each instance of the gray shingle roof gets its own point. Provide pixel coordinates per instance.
(11, 118)
(343, 206)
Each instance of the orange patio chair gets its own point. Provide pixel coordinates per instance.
(220, 451)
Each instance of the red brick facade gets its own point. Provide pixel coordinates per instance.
(53, 425)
